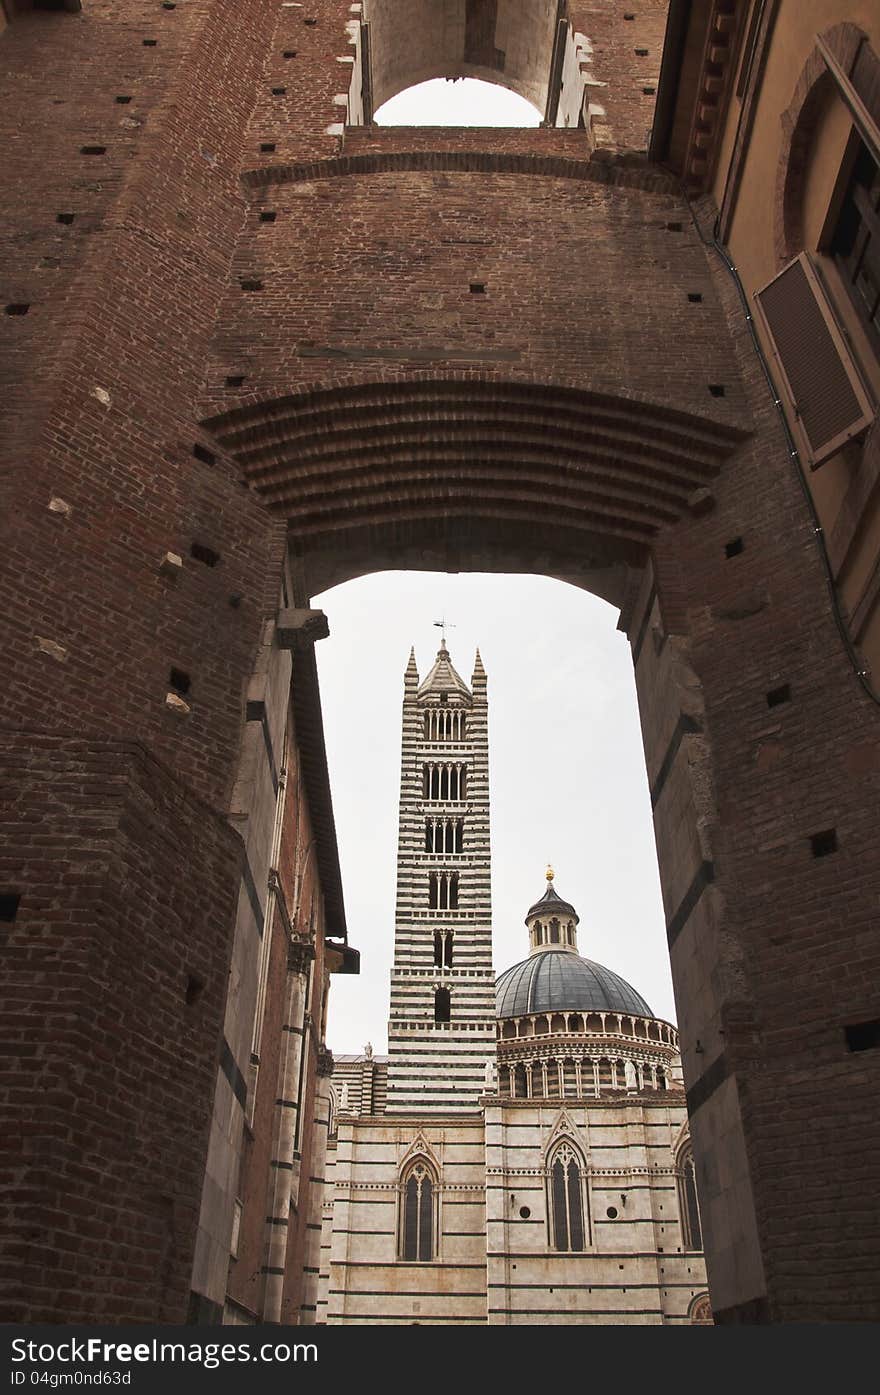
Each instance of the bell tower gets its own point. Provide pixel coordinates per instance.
(441, 1029)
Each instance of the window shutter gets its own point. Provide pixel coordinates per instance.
(815, 366)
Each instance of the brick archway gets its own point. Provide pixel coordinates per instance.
(505, 473)
(504, 41)
(474, 468)
(193, 287)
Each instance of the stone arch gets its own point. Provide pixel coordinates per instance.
(700, 1310)
(509, 42)
(799, 124)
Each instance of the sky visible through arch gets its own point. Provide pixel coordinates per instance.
(567, 774)
(457, 102)
(566, 770)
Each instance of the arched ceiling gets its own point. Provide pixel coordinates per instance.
(505, 41)
(542, 477)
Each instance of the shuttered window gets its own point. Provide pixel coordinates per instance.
(816, 371)
(856, 242)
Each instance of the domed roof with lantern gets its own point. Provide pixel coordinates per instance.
(555, 978)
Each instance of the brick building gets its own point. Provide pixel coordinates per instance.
(244, 331)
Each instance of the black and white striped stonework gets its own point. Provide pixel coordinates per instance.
(441, 1030)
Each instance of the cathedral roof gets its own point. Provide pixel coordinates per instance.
(555, 980)
(551, 903)
(443, 677)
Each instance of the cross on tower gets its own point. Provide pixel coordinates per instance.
(444, 625)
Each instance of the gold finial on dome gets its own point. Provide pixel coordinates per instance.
(550, 873)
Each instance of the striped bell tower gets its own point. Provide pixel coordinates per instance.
(441, 1030)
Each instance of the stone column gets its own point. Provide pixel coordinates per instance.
(312, 1260)
(285, 1155)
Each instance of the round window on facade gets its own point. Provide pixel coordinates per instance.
(611, 1213)
(525, 1212)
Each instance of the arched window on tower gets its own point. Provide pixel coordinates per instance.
(418, 1212)
(443, 949)
(688, 1201)
(443, 891)
(566, 1210)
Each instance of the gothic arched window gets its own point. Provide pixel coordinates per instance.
(418, 1212)
(566, 1210)
(688, 1202)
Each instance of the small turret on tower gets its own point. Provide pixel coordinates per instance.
(552, 923)
(479, 680)
(411, 674)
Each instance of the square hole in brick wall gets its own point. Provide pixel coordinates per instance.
(234, 380)
(19, 308)
(777, 696)
(863, 1036)
(207, 457)
(179, 680)
(717, 389)
(279, 91)
(9, 903)
(251, 284)
(649, 91)
(673, 227)
(267, 147)
(478, 287)
(122, 100)
(695, 298)
(268, 215)
(734, 547)
(824, 843)
(66, 218)
(204, 554)
(194, 988)
(92, 149)
(289, 53)
(150, 43)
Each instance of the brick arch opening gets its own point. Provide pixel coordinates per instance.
(471, 471)
(691, 524)
(509, 42)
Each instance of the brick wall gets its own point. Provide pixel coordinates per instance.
(113, 989)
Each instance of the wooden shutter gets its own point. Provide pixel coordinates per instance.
(815, 368)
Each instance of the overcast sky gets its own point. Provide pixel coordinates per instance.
(457, 102)
(567, 773)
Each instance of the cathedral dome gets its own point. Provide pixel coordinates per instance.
(555, 980)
